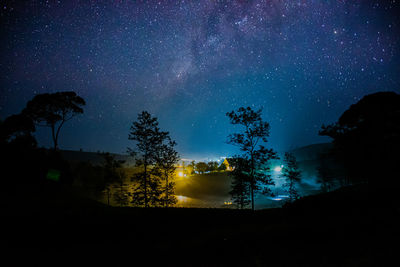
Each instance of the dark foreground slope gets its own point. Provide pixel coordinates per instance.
(334, 229)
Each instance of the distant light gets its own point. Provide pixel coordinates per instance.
(278, 168)
(53, 175)
(180, 174)
(182, 198)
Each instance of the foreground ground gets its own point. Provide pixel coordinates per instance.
(336, 229)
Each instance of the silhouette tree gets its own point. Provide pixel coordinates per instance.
(18, 147)
(292, 175)
(324, 179)
(366, 139)
(222, 167)
(87, 177)
(184, 169)
(17, 130)
(329, 172)
(148, 137)
(192, 166)
(112, 173)
(53, 110)
(240, 174)
(250, 142)
(166, 160)
(201, 167)
(121, 194)
(212, 166)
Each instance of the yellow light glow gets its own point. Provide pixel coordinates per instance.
(182, 198)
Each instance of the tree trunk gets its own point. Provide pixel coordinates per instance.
(145, 183)
(252, 194)
(121, 196)
(108, 196)
(57, 134)
(53, 134)
(166, 189)
(252, 181)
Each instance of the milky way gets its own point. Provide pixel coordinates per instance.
(190, 62)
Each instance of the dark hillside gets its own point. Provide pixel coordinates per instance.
(94, 158)
(311, 152)
(331, 229)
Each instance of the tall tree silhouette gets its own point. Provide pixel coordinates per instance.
(53, 110)
(366, 139)
(292, 174)
(17, 130)
(240, 192)
(112, 173)
(324, 178)
(148, 137)
(18, 147)
(250, 141)
(121, 194)
(166, 159)
(329, 172)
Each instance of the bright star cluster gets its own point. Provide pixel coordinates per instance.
(190, 62)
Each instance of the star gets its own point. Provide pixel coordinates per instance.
(190, 62)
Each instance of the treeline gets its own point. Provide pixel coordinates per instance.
(251, 173)
(23, 161)
(203, 167)
(151, 184)
(366, 141)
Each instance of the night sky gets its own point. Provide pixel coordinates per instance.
(190, 62)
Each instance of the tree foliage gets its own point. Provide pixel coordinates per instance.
(201, 167)
(251, 141)
(192, 167)
(90, 179)
(156, 157)
(18, 147)
(166, 159)
(222, 167)
(330, 172)
(112, 173)
(240, 187)
(17, 130)
(212, 166)
(292, 175)
(366, 138)
(53, 110)
(121, 191)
